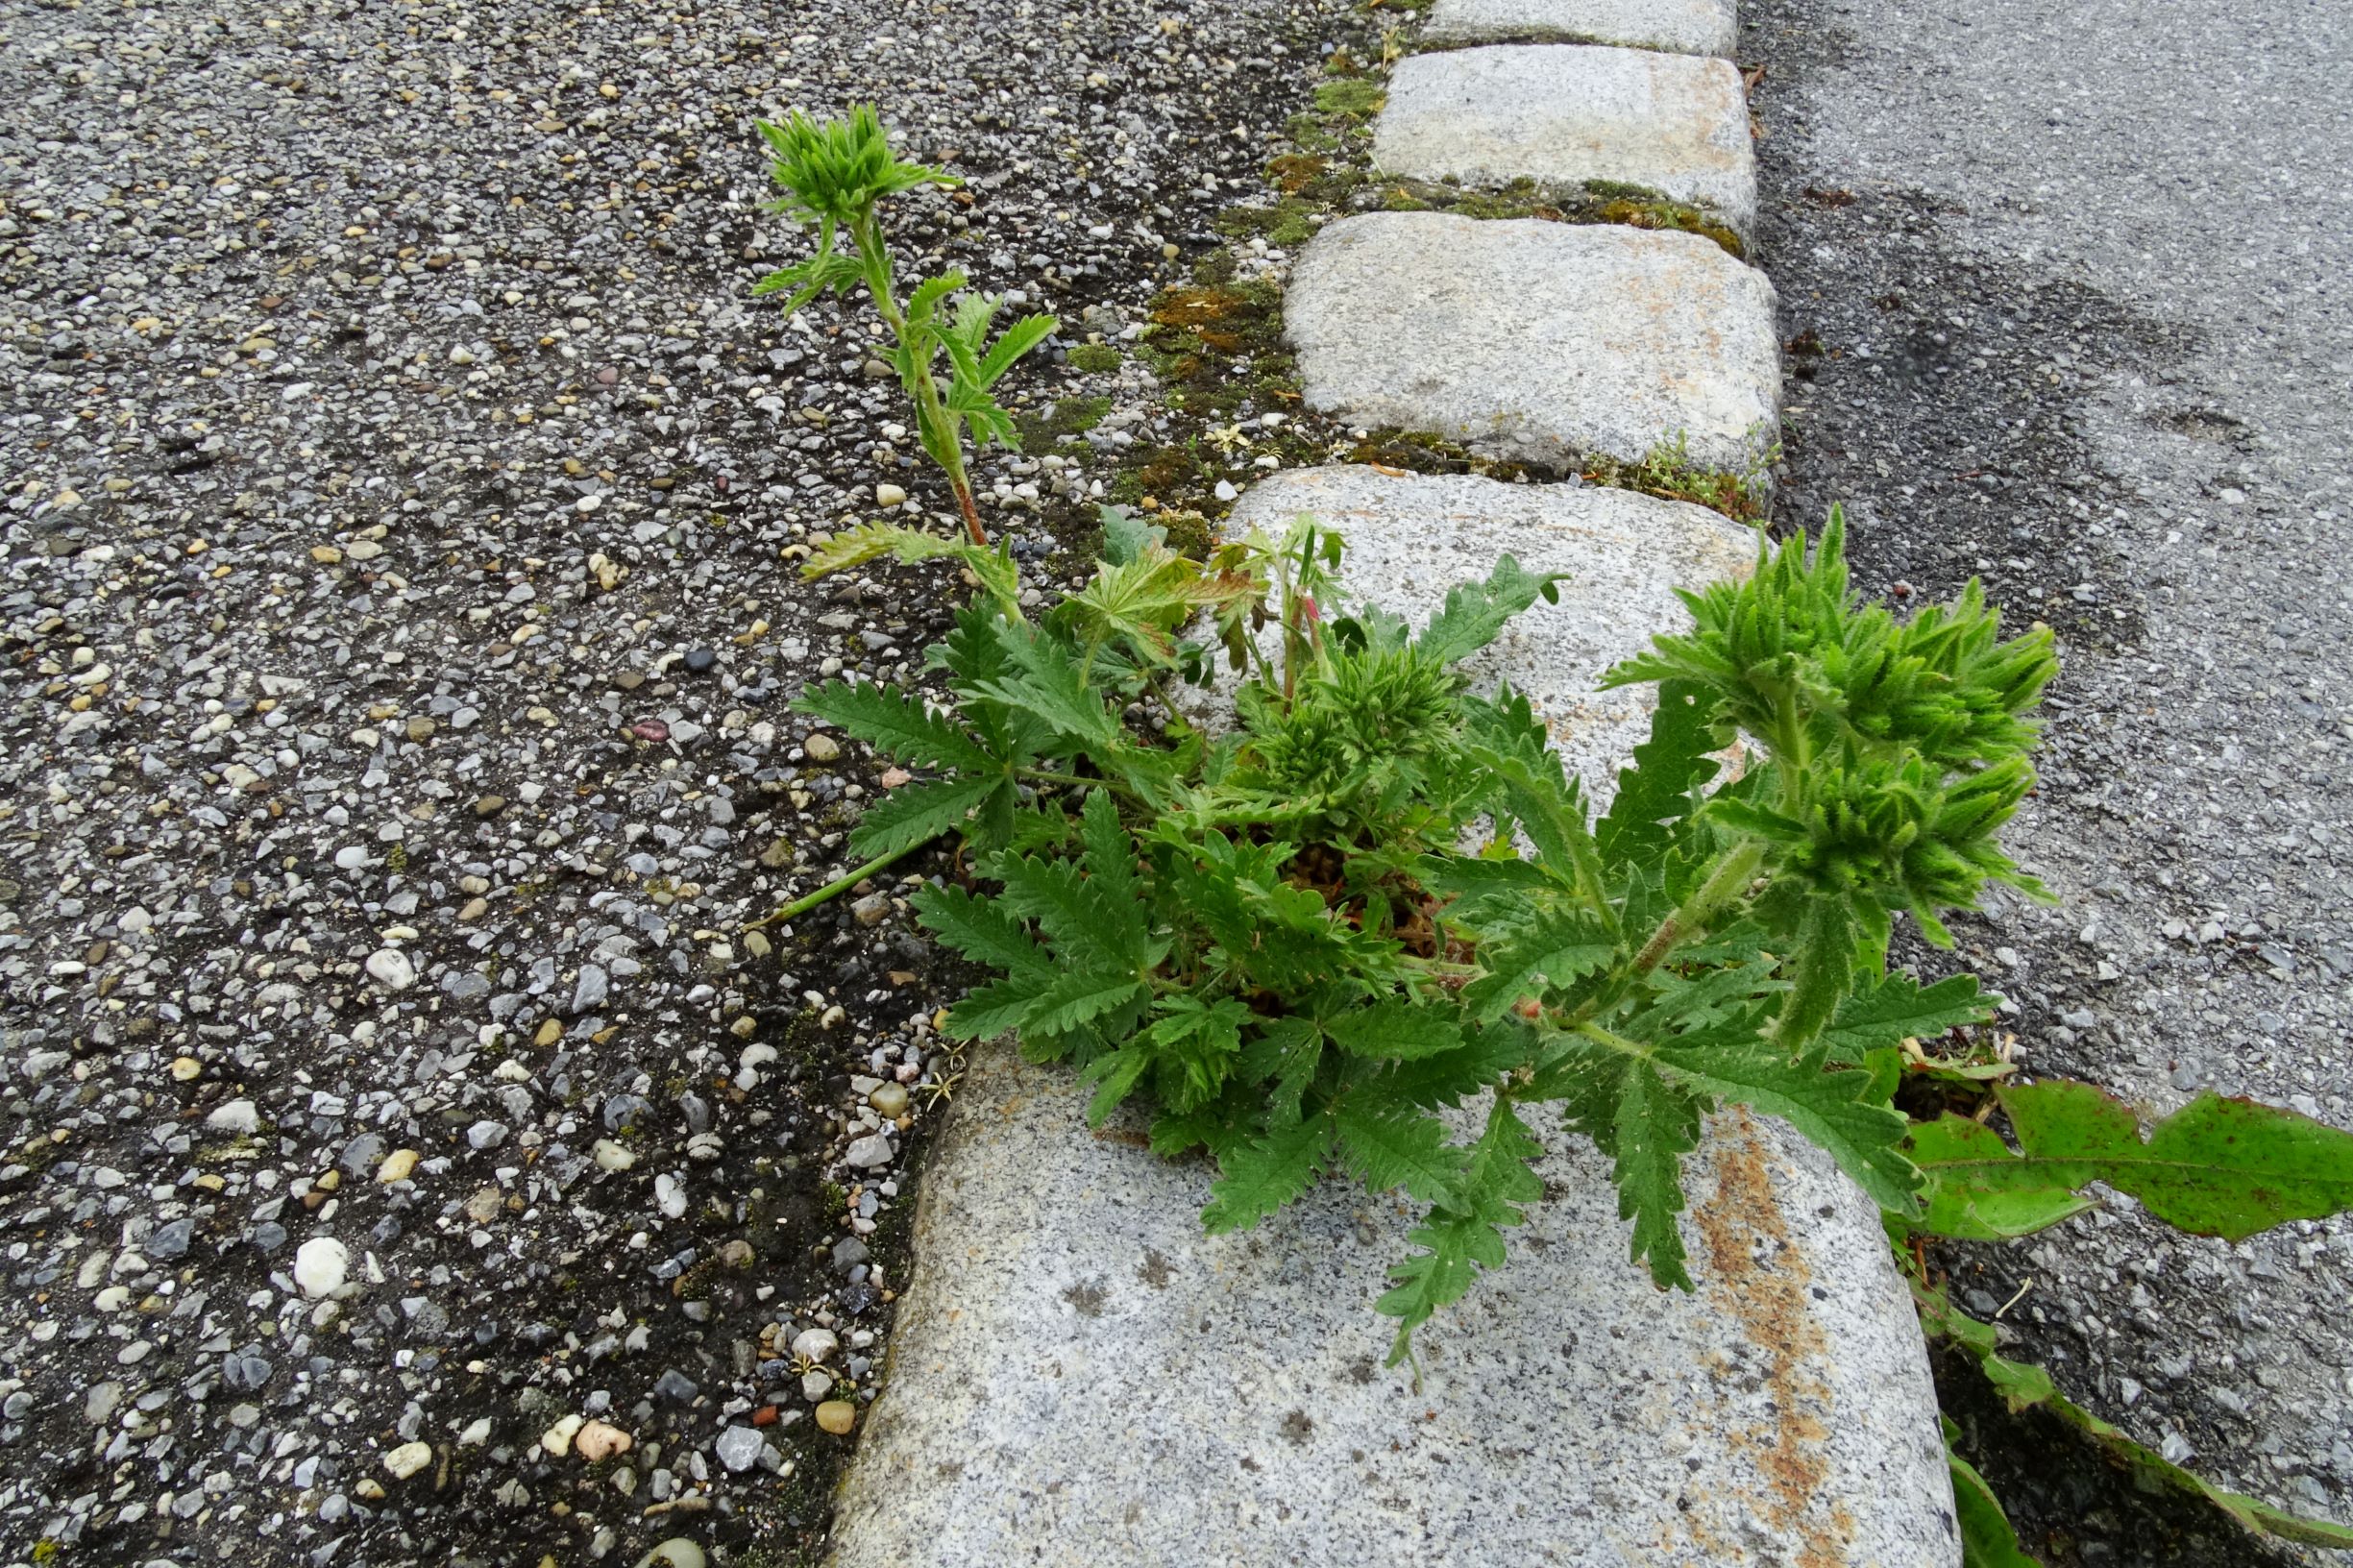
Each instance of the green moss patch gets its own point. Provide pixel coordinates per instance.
(1068, 418)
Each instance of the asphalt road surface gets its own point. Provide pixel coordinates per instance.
(2064, 294)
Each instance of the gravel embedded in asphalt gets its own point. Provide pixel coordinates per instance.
(407, 1156)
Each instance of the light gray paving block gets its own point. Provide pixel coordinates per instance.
(1535, 340)
(1080, 1377)
(1568, 113)
(1690, 27)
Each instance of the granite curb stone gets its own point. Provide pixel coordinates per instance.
(1538, 341)
(1691, 27)
(1566, 113)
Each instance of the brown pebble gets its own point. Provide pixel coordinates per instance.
(490, 806)
(548, 1034)
(837, 1416)
(629, 680)
(822, 747)
(890, 1101)
(421, 729)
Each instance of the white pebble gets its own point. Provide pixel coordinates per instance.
(407, 1459)
(235, 1116)
(321, 1265)
(391, 969)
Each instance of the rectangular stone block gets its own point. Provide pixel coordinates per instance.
(1690, 27)
(1566, 113)
(1539, 341)
(1080, 1376)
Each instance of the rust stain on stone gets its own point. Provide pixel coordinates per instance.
(1759, 1275)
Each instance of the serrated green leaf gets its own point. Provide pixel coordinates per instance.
(917, 813)
(1487, 892)
(1143, 603)
(895, 722)
(1949, 1150)
(1047, 680)
(1114, 1076)
(1451, 1077)
(1830, 1107)
(1087, 926)
(924, 303)
(2226, 1168)
(1286, 1051)
(1465, 1234)
(1707, 999)
(1895, 1007)
(1474, 612)
(1550, 812)
(1397, 1030)
(1012, 344)
(1819, 973)
(1662, 788)
(1110, 856)
(1192, 1046)
(1078, 997)
(999, 1007)
(1644, 1122)
(1263, 1174)
(1386, 1146)
(981, 929)
(1174, 1134)
(1654, 1125)
(1549, 951)
(871, 541)
(1126, 536)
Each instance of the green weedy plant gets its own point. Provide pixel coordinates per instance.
(833, 175)
(1274, 932)
(1275, 937)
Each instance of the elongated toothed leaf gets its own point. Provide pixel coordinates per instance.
(1394, 1031)
(1476, 612)
(1386, 1145)
(895, 722)
(1464, 1235)
(1895, 1008)
(981, 929)
(918, 813)
(1263, 1174)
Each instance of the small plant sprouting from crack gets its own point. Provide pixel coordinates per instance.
(833, 175)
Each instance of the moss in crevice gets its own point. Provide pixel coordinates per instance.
(1217, 347)
(1068, 418)
(1596, 201)
(1288, 223)
(1096, 358)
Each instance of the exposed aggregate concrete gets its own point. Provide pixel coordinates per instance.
(408, 1157)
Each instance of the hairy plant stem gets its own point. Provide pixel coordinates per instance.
(1731, 873)
(1734, 868)
(832, 889)
(931, 415)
